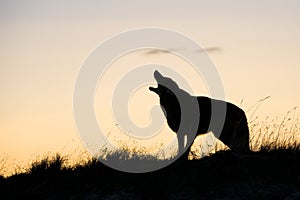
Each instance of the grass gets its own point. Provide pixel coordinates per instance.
(274, 133)
(271, 171)
(263, 174)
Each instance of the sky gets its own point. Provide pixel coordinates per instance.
(44, 44)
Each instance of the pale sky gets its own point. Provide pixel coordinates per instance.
(44, 43)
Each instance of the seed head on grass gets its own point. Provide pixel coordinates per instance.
(47, 165)
(272, 134)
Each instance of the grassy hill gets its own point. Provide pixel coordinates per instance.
(271, 172)
(267, 174)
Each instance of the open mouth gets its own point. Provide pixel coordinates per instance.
(153, 89)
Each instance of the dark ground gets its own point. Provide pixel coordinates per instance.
(260, 175)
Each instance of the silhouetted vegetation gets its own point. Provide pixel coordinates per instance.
(269, 173)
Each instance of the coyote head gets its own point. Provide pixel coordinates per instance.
(166, 87)
(169, 94)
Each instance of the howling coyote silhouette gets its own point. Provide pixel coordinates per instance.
(235, 132)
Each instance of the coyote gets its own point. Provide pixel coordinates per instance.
(175, 102)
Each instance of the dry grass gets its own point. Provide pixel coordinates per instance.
(275, 133)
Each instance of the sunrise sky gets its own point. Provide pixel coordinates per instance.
(255, 44)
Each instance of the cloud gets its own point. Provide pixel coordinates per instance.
(161, 51)
(165, 51)
(209, 49)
